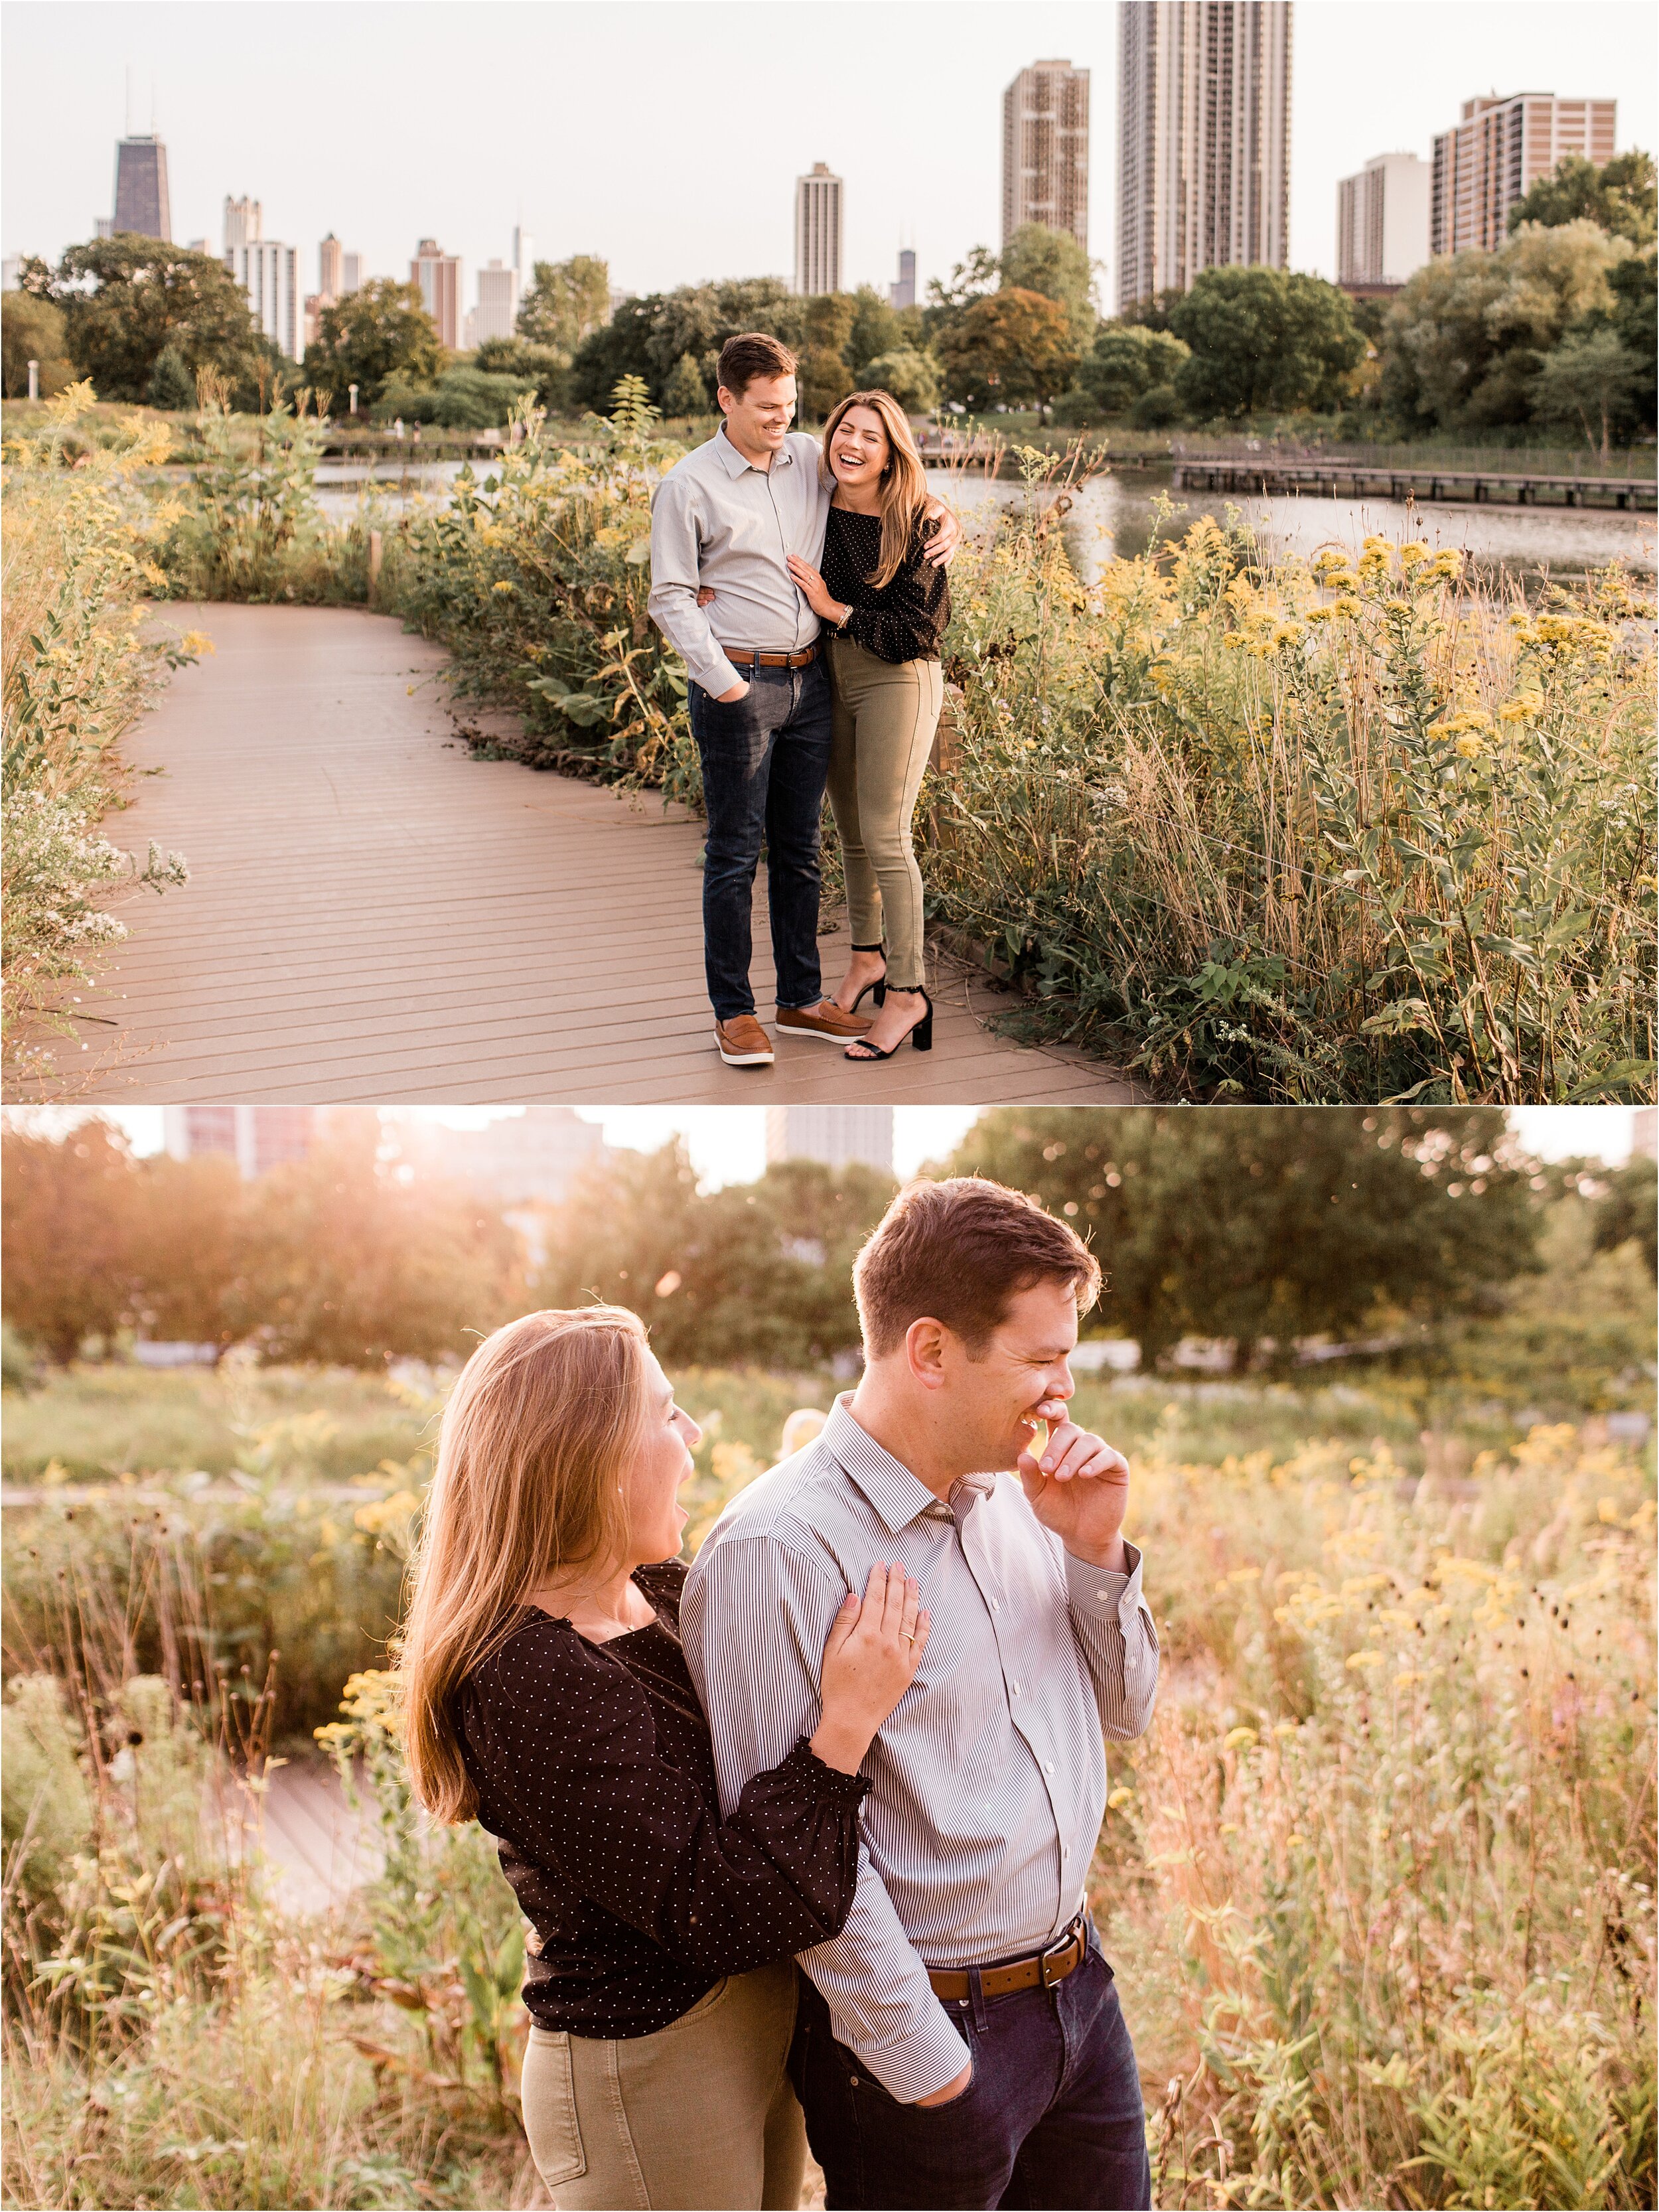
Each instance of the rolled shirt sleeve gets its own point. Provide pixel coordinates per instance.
(1113, 1624)
(675, 577)
(759, 1689)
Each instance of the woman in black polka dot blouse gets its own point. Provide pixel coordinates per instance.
(546, 1694)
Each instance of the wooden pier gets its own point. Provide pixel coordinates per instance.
(1265, 475)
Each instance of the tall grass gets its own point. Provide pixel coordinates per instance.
(1377, 1886)
(1355, 830)
(76, 670)
(1379, 1883)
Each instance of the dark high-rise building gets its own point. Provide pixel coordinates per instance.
(140, 187)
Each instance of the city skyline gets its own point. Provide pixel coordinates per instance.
(935, 183)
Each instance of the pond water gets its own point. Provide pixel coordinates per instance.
(1115, 516)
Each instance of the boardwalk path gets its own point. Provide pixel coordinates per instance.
(371, 914)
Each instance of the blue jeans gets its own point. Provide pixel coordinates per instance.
(1052, 2118)
(765, 760)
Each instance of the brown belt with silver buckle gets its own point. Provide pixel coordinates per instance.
(739, 659)
(1042, 1971)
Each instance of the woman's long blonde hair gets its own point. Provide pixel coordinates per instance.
(903, 485)
(541, 1424)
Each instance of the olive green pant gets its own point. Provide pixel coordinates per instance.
(885, 714)
(700, 2114)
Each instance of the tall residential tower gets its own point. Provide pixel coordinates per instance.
(817, 231)
(1204, 153)
(1496, 153)
(1045, 150)
(1382, 221)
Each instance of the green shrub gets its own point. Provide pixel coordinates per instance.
(1361, 830)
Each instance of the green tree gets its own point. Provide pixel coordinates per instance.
(648, 336)
(1125, 361)
(350, 1267)
(1619, 198)
(757, 1273)
(564, 301)
(1262, 1224)
(125, 299)
(1588, 380)
(911, 376)
(380, 330)
(1627, 1209)
(171, 387)
(877, 329)
(1634, 284)
(543, 366)
(1039, 259)
(1263, 339)
(32, 330)
(1465, 340)
(685, 392)
(1009, 347)
(66, 1222)
(970, 280)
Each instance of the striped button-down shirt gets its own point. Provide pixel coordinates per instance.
(988, 1780)
(717, 520)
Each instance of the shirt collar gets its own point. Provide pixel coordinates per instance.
(734, 462)
(898, 1496)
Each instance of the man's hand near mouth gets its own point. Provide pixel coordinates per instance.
(1078, 1487)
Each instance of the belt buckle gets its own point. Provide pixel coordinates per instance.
(1060, 1949)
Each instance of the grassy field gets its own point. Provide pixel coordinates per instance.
(1377, 1885)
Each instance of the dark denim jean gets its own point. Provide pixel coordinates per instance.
(1052, 2118)
(765, 760)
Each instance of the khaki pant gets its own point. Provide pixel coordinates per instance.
(886, 713)
(700, 2115)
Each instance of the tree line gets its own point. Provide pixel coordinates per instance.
(1553, 330)
(1255, 1225)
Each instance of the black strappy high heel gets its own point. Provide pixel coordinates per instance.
(921, 1037)
(879, 986)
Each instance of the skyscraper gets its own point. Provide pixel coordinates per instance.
(1496, 153)
(438, 275)
(331, 256)
(269, 272)
(1204, 153)
(244, 222)
(524, 257)
(817, 231)
(1382, 221)
(140, 187)
(903, 294)
(255, 1137)
(351, 273)
(833, 1134)
(498, 303)
(1045, 150)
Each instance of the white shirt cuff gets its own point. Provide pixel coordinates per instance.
(928, 2058)
(1103, 1595)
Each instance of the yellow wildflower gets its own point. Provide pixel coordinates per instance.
(1522, 708)
(1413, 554)
(1362, 1661)
(1470, 748)
(1238, 1739)
(502, 587)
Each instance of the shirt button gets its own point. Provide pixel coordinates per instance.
(1013, 1688)
(1102, 1593)
(1048, 1768)
(995, 1605)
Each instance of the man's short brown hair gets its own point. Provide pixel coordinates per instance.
(755, 353)
(957, 1252)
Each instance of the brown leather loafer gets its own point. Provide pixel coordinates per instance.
(826, 1020)
(743, 1043)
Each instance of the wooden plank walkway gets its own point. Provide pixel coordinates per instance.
(373, 915)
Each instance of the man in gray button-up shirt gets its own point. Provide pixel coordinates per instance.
(989, 1778)
(726, 519)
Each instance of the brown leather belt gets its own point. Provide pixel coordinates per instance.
(1042, 1971)
(740, 659)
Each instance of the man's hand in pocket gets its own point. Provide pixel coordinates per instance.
(950, 2092)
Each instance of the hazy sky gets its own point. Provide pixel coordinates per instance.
(727, 1143)
(666, 135)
